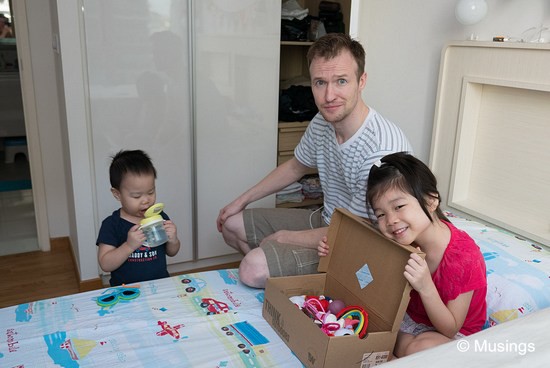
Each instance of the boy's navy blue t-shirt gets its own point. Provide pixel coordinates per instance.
(143, 264)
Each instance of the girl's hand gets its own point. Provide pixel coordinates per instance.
(418, 274)
(136, 237)
(322, 248)
(171, 230)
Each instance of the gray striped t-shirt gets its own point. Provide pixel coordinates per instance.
(344, 168)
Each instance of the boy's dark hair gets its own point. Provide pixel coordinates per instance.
(407, 173)
(332, 44)
(136, 162)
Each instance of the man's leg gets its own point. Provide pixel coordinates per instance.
(246, 229)
(253, 270)
(274, 259)
(234, 233)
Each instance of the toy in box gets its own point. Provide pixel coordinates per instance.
(363, 268)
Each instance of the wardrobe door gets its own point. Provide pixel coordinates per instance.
(137, 56)
(236, 59)
(194, 84)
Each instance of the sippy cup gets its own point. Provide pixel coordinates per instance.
(153, 226)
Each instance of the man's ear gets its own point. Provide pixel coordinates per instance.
(116, 194)
(363, 80)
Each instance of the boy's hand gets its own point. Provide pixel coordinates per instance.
(171, 230)
(136, 237)
(322, 248)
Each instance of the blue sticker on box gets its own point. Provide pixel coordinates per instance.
(364, 276)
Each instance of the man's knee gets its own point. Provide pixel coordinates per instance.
(233, 225)
(234, 233)
(253, 270)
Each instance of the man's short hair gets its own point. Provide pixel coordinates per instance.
(332, 44)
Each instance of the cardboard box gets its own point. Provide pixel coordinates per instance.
(358, 254)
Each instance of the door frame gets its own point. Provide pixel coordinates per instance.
(31, 123)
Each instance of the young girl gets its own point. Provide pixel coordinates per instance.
(450, 285)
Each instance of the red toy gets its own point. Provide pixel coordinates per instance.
(358, 316)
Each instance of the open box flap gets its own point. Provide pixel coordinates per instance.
(368, 265)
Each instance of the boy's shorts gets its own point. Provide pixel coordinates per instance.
(283, 259)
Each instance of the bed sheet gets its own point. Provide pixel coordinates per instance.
(206, 319)
(518, 271)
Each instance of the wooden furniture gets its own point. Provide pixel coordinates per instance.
(294, 70)
(495, 167)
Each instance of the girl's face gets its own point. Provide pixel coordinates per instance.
(400, 217)
(137, 193)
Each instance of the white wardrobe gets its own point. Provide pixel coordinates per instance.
(192, 82)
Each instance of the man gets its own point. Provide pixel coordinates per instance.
(342, 141)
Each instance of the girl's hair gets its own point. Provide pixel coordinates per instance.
(407, 173)
(135, 162)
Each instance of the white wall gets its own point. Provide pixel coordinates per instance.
(403, 42)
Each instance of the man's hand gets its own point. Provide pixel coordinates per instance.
(231, 209)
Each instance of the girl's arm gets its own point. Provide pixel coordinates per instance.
(447, 319)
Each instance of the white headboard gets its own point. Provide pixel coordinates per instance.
(491, 138)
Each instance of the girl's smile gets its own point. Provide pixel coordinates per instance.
(400, 216)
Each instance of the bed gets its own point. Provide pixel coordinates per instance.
(206, 319)
(210, 319)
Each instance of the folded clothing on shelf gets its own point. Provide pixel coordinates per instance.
(290, 194)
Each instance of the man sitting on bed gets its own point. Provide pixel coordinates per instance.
(342, 141)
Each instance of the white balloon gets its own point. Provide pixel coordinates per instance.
(470, 12)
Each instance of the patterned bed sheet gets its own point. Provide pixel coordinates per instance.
(518, 271)
(210, 319)
(206, 319)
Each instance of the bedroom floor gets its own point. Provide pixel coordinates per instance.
(37, 275)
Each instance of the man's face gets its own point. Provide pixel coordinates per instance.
(335, 86)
